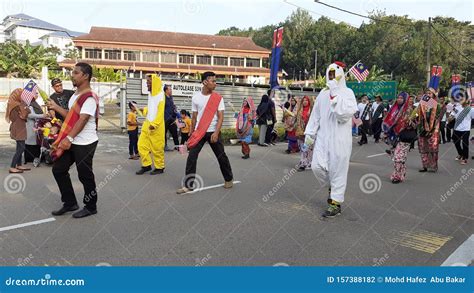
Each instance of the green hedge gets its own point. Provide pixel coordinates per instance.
(229, 133)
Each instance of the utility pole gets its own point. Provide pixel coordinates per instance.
(428, 54)
(315, 64)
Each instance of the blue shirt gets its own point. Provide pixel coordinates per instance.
(170, 109)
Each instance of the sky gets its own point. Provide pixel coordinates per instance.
(210, 16)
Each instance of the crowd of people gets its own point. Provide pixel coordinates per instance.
(319, 129)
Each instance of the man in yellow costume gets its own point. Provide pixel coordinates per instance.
(152, 138)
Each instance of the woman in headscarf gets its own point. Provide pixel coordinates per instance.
(429, 118)
(289, 118)
(32, 148)
(244, 126)
(399, 130)
(263, 115)
(302, 118)
(16, 114)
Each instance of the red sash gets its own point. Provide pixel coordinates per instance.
(70, 120)
(207, 116)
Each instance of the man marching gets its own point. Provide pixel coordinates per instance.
(207, 118)
(329, 127)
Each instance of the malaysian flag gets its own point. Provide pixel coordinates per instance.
(428, 102)
(29, 92)
(359, 71)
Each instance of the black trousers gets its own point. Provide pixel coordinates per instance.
(82, 155)
(20, 148)
(191, 162)
(268, 134)
(377, 128)
(184, 137)
(442, 131)
(364, 129)
(31, 152)
(461, 141)
(133, 142)
(171, 126)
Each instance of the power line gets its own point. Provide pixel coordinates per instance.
(449, 43)
(314, 12)
(361, 15)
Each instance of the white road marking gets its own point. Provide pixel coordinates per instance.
(376, 155)
(209, 187)
(463, 255)
(27, 224)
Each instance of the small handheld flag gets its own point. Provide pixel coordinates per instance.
(359, 71)
(29, 92)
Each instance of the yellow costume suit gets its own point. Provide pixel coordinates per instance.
(153, 141)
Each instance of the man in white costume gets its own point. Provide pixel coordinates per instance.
(330, 129)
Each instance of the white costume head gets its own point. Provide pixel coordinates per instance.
(340, 76)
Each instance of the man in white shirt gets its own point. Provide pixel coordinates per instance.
(78, 146)
(377, 117)
(364, 114)
(463, 113)
(202, 102)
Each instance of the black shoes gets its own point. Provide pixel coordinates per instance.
(245, 156)
(64, 210)
(143, 170)
(157, 171)
(423, 170)
(332, 211)
(84, 213)
(395, 181)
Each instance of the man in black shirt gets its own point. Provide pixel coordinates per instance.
(60, 96)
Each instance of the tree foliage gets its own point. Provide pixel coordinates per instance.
(392, 46)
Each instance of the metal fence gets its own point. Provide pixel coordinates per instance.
(233, 95)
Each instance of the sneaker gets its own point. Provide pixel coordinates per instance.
(245, 156)
(458, 158)
(228, 184)
(183, 190)
(463, 162)
(332, 211)
(301, 169)
(143, 170)
(157, 171)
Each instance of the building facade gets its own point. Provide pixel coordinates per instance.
(174, 55)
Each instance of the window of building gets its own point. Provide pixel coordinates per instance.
(266, 63)
(186, 59)
(237, 62)
(151, 57)
(203, 60)
(221, 61)
(252, 62)
(131, 55)
(93, 53)
(112, 54)
(167, 57)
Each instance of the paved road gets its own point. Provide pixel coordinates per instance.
(141, 221)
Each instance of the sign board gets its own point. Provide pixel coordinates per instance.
(386, 89)
(179, 88)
